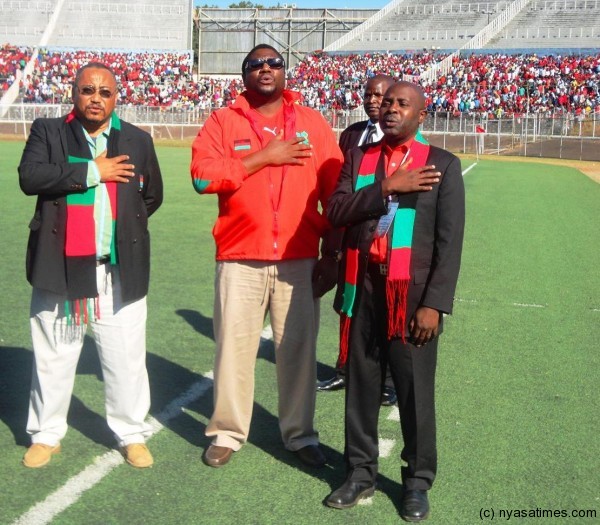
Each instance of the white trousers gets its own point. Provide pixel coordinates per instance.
(244, 292)
(120, 336)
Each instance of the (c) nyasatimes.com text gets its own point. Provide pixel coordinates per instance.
(488, 514)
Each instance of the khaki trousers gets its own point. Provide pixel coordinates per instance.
(120, 335)
(245, 291)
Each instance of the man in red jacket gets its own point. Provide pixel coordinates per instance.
(271, 162)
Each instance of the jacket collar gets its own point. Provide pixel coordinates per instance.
(289, 97)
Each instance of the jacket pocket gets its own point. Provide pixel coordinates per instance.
(35, 223)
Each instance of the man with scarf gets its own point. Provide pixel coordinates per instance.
(357, 134)
(272, 162)
(402, 203)
(97, 181)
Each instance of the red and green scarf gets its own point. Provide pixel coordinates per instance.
(80, 234)
(399, 247)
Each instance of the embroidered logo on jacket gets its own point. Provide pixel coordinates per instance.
(303, 135)
(242, 144)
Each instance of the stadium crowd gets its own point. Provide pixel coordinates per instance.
(496, 84)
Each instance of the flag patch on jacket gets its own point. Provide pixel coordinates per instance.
(242, 144)
(303, 135)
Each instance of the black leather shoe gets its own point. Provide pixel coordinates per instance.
(329, 385)
(388, 397)
(415, 505)
(350, 493)
(312, 456)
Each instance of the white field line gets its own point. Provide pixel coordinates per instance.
(520, 305)
(532, 305)
(465, 171)
(45, 511)
(394, 414)
(385, 447)
(523, 305)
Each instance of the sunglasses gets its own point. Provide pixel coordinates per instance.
(88, 91)
(257, 63)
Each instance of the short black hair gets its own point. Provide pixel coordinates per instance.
(92, 65)
(256, 48)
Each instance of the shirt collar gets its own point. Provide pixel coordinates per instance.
(105, 132)
(402, 148)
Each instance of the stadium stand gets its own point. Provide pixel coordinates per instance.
(149, 24)
(437, 24)
(494, 84)
(552, 24)
(490, 82)
(412, 25)
(150, 78)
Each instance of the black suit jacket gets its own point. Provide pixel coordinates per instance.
(437, 235)
(351, 135)
(45, 172)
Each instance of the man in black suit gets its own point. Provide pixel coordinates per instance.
(357, 134)
(97, 181)
(402, 204)
(367, 131)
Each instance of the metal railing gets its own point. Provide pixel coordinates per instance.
(559, 135)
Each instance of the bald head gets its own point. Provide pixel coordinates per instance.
(374, 89)
(417, 92)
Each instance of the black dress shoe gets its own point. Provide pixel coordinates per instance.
(388, 397)
(350, 493)
(415, 505)
(312, 456)
(329, 385)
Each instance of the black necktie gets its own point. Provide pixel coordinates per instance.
(371, 132)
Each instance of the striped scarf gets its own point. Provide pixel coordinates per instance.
(80, 233)
(399, 249)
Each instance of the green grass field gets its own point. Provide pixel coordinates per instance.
(517, 388)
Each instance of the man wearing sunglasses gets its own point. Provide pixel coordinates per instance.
(97, 181)
(273, 164)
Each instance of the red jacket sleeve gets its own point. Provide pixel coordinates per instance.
(212, 170)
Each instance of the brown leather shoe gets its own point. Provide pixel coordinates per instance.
(138, 455)
(38, 455)
(215, 456)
